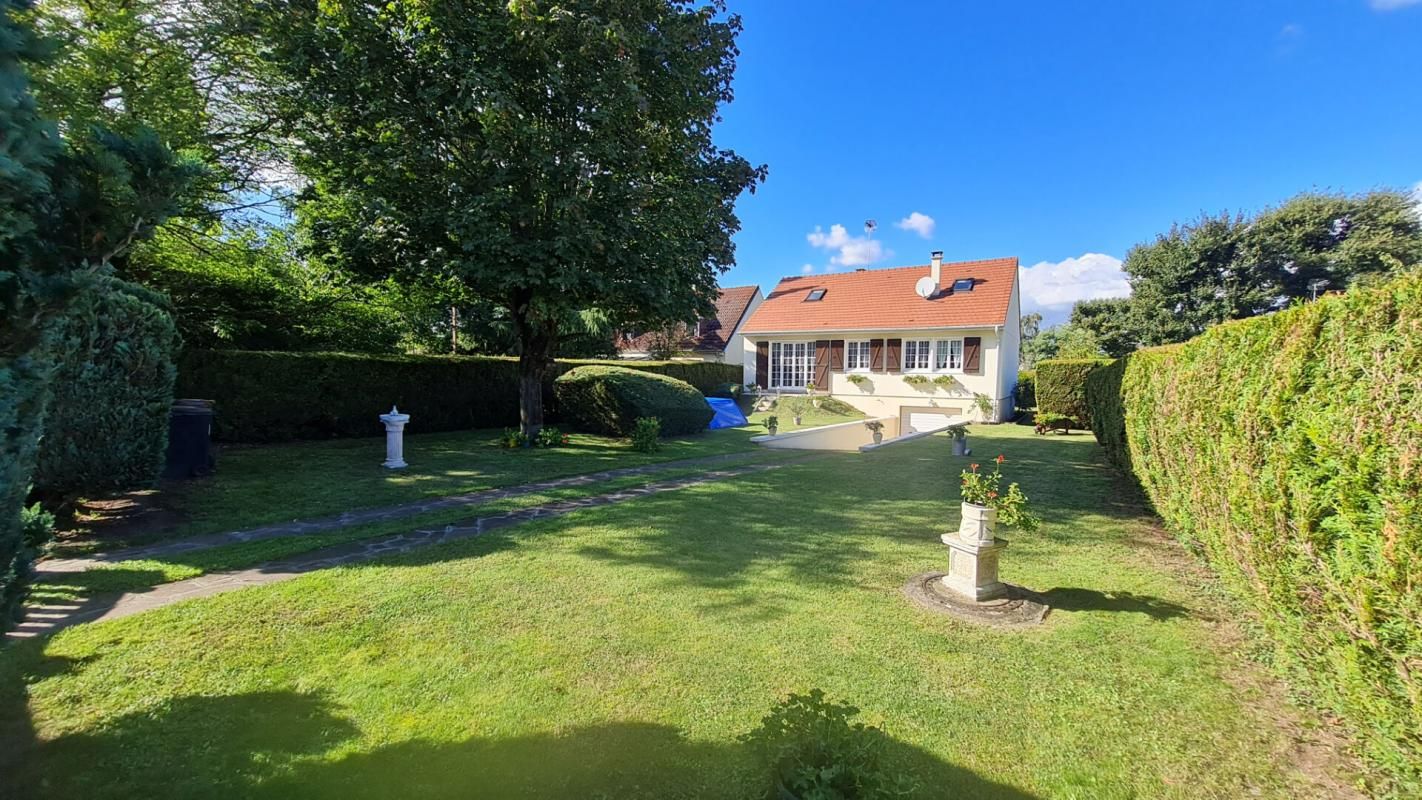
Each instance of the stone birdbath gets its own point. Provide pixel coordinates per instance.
(394, 438)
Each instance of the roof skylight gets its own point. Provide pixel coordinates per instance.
(815, 295)
(963, 285)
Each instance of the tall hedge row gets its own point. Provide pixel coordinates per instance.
(107, 425)
(1287, 449)
(1061, 386)
(274, 397)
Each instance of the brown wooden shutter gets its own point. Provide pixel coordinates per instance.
(896, 355)
(762, 363)
(876, 355)
(837, 355)
(973, 355)
(822, 365)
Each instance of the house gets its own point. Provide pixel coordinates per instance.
(717, 338)
(922, 343)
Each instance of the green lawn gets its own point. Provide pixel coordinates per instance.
(256, 485)
(132, 575)
(621, 652)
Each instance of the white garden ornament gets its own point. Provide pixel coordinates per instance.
(972, 555)
(394, 438)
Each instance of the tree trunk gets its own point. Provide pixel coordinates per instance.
(536, 340)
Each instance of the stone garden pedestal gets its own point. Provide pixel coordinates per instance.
(394, 438)
(973, 554)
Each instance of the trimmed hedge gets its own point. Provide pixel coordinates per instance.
(277, 397)
(107, 425)
(24, 395)
(1025, 395)
(1061, 386)
(610, 400)
(1287, 449)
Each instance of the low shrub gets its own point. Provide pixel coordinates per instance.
(107, 426)
(812, 750)
(1060, 386)
(276, 397)
(646, 435)
(1285, 449)
(916, 381)
(608, 400)
(1025, 395)
(547, 436)
(831, 405)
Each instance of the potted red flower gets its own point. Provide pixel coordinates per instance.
(985, 504)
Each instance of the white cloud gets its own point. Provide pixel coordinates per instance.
(1391, 5)
(1049, 285)
(806, 269)
(850, 251)
(919, 223)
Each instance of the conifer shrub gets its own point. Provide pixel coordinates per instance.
(107, 426)
(1287, 450)
(1060, 385)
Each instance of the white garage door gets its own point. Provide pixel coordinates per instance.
(919, 421)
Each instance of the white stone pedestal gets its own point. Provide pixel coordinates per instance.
(972, 568)
(394, 438)
(972, 555)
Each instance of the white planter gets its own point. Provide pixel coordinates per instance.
(977, 524)
(878, 437)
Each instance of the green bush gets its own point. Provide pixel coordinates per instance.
(606, 399)
(1060, 385)
(1287, 450)
(732, 391)
(107, 425)
(275, 397)
(24, 394)
(1025, 395)
(810, 749)
(646, 435)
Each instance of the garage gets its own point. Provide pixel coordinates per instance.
(918, 418)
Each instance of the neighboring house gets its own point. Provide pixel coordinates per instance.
(715, 339)
(874, 327)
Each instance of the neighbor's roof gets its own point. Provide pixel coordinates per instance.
(731, 306)
(884, 299)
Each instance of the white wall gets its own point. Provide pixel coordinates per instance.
(1011, 350)
(887, 393)
(737, 343)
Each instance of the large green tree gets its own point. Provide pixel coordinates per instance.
(550, 157)
(1110, 322)
(1226, 267)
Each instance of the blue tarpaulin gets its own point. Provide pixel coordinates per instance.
(728, 414)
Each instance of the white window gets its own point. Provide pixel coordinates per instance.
(948, 355)
(856, 356)
(916, 355)
(792, 364)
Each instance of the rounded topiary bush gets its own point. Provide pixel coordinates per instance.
(107, 426)
(609, 400)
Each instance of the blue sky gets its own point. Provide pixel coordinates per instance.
(1061, 133)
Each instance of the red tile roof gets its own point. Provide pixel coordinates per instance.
(884, 299)
(730, 308)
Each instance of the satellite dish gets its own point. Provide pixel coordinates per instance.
(926, 287)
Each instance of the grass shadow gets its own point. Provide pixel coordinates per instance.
(1072, 599)
(271, 745)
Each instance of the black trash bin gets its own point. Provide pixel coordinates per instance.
(189, 439)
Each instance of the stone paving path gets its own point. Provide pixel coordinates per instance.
(46, 618)
(58, 566)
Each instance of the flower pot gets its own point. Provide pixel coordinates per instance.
(878, 437)
(797, 422)
(977, 524)
(960, 446)
(773, 429)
